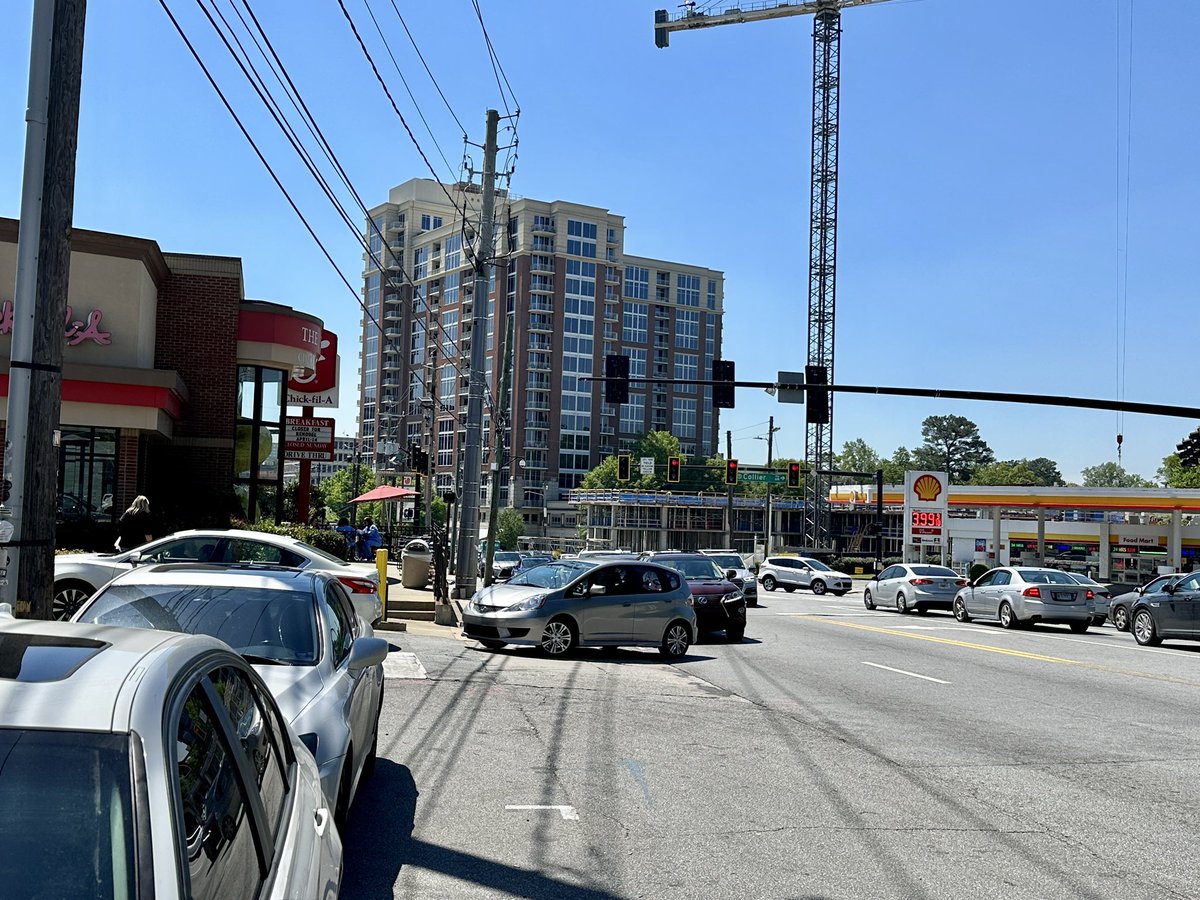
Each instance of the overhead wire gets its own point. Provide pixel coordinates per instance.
(293, 139)
(428, 71)
(497, 68)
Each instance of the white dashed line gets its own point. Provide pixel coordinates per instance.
(902, 672)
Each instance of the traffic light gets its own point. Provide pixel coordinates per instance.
(623, 467)
(418, 459)
(616, 375)
(722, 394)
(817, 411)
(731, 472)
(793, 474)
(673, 470)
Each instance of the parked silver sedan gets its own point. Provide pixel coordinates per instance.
(79, 575)
(913, 587)
(299, 631)
(1020, 595)
(570, 603)
(148, 764)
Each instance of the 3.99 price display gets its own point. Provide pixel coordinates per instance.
(926, 522)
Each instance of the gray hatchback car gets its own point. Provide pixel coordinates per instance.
(570, 603)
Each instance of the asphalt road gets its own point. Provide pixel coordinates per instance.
(835, 752)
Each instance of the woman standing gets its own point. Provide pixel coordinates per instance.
(135, 525)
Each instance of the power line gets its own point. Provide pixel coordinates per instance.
(421, 57)
(497, 68)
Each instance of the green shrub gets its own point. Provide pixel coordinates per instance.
(325, 539)
(978, 569)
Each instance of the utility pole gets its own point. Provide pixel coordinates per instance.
(40, 301)
(468, 549)
(771, 429)
(729, 493)
(500, 422)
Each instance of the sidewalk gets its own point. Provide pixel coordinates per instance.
(413, 608)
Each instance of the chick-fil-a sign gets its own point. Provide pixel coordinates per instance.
(77, 331)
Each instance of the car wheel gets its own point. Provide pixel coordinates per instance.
(558, 639)
(1143, 629)
(1008, 618)
(676, 641)
(867, 601)
(69, 596)
(734, 633)
(1079, 627)
(818, 587)
(1121, 618)
(839, 593)
(368, 769)
(960, 610)
(789, 587)
(901, 604)
(1098, 620)
(768, 583)
(492, 645)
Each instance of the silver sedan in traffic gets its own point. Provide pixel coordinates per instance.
(570, 603)
(913, 587)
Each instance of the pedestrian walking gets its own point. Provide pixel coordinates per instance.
(136, 525)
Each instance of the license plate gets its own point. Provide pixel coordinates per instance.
(1062, 595)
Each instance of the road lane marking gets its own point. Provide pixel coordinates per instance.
(568, 812)
(903, 672)
(1005, 651)
(399, 664)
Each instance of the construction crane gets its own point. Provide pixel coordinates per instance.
(822, 265)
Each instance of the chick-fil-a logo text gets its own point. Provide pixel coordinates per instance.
(77, 331)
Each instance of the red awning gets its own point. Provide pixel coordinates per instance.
(384, 492)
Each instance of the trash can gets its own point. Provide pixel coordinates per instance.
(414, 564)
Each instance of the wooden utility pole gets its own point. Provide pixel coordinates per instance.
(40, 301)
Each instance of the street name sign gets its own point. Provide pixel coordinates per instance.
(762, 477)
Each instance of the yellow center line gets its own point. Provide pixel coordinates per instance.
(1023, 654)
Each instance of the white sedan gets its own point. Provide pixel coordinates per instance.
(79, 575)
(152, 764)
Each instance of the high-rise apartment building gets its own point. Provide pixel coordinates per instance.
(575, 295)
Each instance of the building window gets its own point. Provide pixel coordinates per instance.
(637, 283)
(258, 442)
(635, 323)
(686, 367)
(712, 293)
(687, 330)
(633, 414)
(445, 445)
(87, 475)
(428, 223)
(683, 420)
(687, 290)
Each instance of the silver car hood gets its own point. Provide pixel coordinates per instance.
(502, 596)
(293, 687)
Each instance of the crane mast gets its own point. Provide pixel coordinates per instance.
(822, 260)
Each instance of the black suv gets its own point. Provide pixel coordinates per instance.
(718, 603)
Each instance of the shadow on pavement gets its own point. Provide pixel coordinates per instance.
(379, 844)
(600, 654)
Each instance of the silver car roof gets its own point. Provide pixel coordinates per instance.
(96, 694)
(248, 575)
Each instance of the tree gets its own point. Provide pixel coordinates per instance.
(857, 456)
(952, 445)
(510, 525)
(1173, 473)
(894, 468)
(1046, 471)
(1011, 472)
(340, 490)
(660, 445)
(1112, 475)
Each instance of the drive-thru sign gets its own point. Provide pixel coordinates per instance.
(308, 438)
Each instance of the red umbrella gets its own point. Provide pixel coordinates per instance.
(384, 492)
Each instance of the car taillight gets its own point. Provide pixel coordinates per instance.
(1031, 592)
(358, 585)
(962, 582)
(919, 581)
(1090, 594)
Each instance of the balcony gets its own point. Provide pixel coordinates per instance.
(541, 323)
(391, 364)
(394, 225)
(537, 404)
(542, 267)
(391, 314)
(545, 226)
(537, 383)
(540, 304)
(539, 343)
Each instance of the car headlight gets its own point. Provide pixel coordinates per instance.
(534, 602)
(732, 597)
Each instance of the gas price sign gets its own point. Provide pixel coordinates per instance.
(924, 522)
(925, 508)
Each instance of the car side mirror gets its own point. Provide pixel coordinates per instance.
(367, 651)
(597, 589)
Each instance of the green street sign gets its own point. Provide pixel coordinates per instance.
(762, 477)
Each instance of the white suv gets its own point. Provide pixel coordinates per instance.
(731, 560)
(791, 572)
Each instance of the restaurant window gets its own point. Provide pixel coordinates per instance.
(87, 474)
(258, 450)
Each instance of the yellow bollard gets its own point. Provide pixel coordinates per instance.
(381, 560)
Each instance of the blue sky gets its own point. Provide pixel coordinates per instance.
(984, 162)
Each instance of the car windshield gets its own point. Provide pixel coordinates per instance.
(728, 560)
(275, 625)
(933, 570)
(506, 556)
(693, 567)
(68, 823)
(817, 565)
(553, 575)
(1044, 576)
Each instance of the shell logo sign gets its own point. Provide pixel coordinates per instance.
(927, 488)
